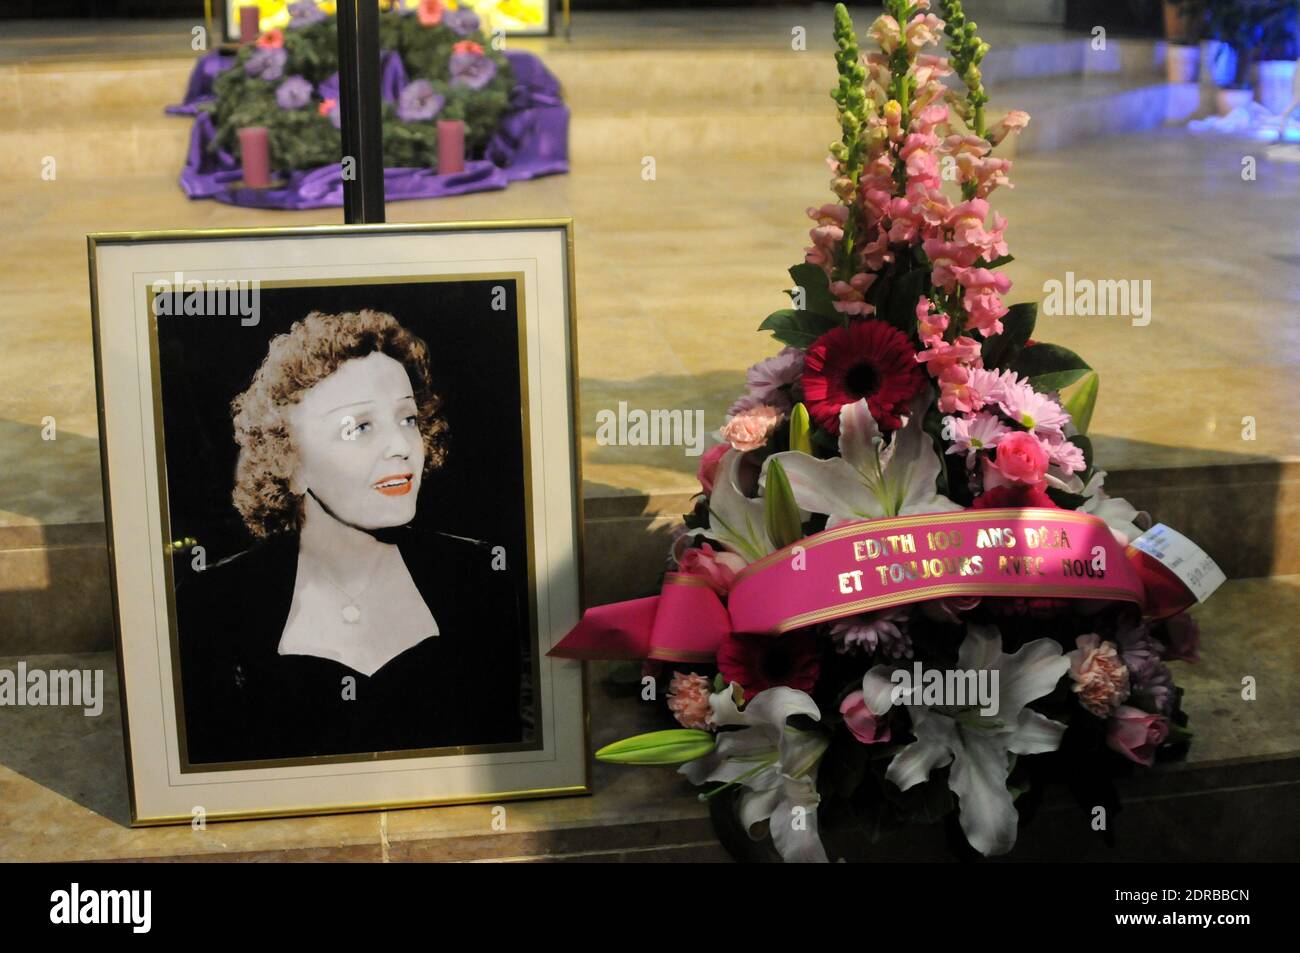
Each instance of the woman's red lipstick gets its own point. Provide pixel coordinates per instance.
(399, 484)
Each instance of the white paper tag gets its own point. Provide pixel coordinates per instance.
(1183, 558)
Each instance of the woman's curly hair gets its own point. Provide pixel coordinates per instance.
(312, 350)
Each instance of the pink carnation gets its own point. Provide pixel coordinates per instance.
(750, 429)
(1100, 678)
(688, 700)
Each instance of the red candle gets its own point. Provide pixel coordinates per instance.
(255, 154)
(249, 24)
(451, 146)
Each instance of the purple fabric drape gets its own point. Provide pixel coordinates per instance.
(531, 141)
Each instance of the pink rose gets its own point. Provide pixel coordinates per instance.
(1184, 639)
(1100, 677)
(717, 567)
(860, 720)
(709, 463)
(688, 700)
(1020, 458)
(466, 46)
(750, 429)
(271, 40)
(1136, 734)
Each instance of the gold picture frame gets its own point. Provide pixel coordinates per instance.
(165, 787)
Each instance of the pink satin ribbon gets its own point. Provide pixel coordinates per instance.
(862, 567)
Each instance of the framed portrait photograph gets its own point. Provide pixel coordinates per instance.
(342, 490)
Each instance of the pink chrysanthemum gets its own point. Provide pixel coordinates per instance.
(970, 435)
(868, 359)
(1030, 409)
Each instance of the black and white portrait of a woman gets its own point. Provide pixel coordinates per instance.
(353, 471)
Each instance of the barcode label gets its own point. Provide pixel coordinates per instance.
(1183, 558)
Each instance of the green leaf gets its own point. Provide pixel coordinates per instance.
(996, 262)
(780, 512)
(799, 427)
(816, 290)
(1042, 360)
(1001, 350)
(797, 328)
(907, 289)
(1079, 401)
(1066, 501)
(674, 746)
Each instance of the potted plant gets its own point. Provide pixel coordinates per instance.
(1239, 27)
(1183, 19)
(1278, 50)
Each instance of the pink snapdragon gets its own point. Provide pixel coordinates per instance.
(983, 298)
(850, 296)
(1012, 122)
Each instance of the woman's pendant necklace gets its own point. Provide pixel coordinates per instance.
(351, 611)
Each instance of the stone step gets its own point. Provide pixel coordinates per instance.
(55, 596)
(639, 78)
(63, 789)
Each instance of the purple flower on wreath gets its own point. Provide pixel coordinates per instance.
(328, 88)
(462, 21)
(294, 93)
(471, 69)
(305, 13)
(267, 63)
(418, 102)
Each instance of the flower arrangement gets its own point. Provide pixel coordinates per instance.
(908, 396)
(436, 65)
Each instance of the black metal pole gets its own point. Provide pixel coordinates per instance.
(359, 107)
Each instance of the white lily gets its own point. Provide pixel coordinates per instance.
(1123, 518)
(777, 764)
(978, 746)
(735, 520)
(869, 480)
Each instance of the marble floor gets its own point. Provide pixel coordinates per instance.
(674, 276)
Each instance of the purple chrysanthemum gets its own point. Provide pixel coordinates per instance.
(769, 380)
(418, 102)
(471, 69)
(305, 13)
(462, 21)
(266, 63)
(294, 93)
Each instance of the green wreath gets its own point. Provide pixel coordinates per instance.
(306, 137)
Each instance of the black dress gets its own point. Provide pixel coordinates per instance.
(243, 701)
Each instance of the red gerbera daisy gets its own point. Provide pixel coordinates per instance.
(868, 359)
(759, 662)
